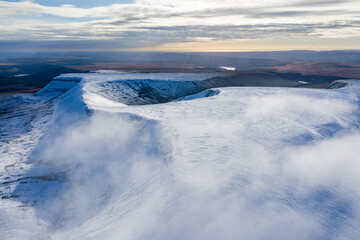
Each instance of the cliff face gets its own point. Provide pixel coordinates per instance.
(99, 158)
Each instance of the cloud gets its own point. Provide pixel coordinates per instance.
(28, 8)
(287, 167)
(168, 21)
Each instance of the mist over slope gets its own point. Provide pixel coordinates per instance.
(107, 161)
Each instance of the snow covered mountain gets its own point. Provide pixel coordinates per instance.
(166, 156)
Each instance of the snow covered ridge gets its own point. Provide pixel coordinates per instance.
(139, 89)
(225, 163)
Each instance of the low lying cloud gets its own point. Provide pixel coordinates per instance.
(252, 163)
(96, 160)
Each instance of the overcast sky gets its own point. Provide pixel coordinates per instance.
(179, 25)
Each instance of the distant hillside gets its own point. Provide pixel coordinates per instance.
(33, 81)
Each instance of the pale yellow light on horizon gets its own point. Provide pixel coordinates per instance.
(316, 44)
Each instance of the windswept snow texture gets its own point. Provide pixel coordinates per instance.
(105, 160)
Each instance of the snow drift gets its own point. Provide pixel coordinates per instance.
(224, 163)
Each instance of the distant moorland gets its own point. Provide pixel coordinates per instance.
(22, 73)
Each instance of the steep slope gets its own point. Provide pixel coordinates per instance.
(225, 163)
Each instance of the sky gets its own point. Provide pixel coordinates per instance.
(173, 25)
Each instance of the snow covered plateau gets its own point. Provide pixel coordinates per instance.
(166, 156)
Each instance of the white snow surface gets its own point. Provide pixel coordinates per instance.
(226, 163)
